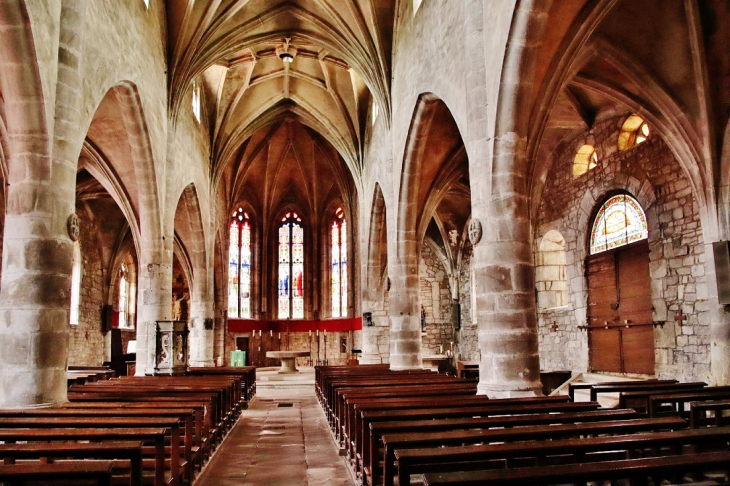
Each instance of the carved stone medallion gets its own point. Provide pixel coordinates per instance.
(475, 231)
(73, 226)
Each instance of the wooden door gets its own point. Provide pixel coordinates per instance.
(621, 335)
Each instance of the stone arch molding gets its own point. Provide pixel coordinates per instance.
(147, 202)
(190, 235)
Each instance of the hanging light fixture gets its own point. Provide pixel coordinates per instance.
(285, 52)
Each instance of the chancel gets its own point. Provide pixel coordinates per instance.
(382, 233)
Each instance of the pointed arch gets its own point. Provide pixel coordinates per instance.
(377, 265)
(189, 230)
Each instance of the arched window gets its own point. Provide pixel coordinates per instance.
(633, 132)
(291, 267)
(239, 266)
(124, 296)
(339, 264)
(620, 221)
(585, 159)
(75, 284)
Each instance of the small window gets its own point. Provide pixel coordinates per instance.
(75, 284)
(146, 4)
(375, 113)
(196, 102)
(584, 160)
(620, 221)
(633, 132)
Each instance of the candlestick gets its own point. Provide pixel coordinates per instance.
(317, 332)
(271, 332)
(310, 333)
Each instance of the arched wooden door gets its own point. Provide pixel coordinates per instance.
(620, 324)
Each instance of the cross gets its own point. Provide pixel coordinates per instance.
(554, 327)
(679, 317)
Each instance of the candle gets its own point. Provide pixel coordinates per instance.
(310, 333)
(271, 332)
(317, 332)
(260, 331)
(279, 336)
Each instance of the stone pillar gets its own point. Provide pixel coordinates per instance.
(201, 337)
(719, 325)
(405, 316)
(154, 303)
(505, 289)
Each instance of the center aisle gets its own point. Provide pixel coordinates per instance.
(279, 445)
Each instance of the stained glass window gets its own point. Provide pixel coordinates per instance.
(620, 221)
(291, 267)
(339, 264)
(633, 132)
(75, 284)
(123, 296)
(239, 265)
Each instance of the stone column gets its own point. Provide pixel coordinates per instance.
(719, 325)
(201, 337)
(405, 316)
(154, 302)
(40, 219)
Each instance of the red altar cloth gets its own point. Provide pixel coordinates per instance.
(329, 325)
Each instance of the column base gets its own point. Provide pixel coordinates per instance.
(518, 390)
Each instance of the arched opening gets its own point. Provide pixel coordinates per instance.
(620, 323)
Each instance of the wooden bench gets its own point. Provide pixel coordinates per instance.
(656, 467)
(460, 458)
(573, 387)
(699, 411)
(98, 471)
(178, 471)
(189, 443)
(246, 373)
(647, 387)
(130, 451)
(539, 432)
(444, 407)
(675, 402)
(153, 436)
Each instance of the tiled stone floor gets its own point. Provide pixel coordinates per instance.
(271, 445)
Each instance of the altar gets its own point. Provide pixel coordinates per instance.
(432, 361)
(288, 359)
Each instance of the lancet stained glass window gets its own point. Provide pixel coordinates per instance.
(620, 221)
(339, 264)
(123, 296)
(239, 265)
(291, 267)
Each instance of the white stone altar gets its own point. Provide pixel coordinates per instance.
(288, 359)
(431, 361)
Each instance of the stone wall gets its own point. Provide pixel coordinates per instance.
(435, 295)
(86, 340)
(650, 173)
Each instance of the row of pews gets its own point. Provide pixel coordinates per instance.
(135, 431)
(399, 426)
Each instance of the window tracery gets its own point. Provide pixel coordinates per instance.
(620, 221)
(291, 267)
(339, 264)
(585, 160)
(633, 132)
(239, 265)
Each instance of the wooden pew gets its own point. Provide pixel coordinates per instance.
(408, 408)
(130, 451)
(648, 387)
(246, 373)
(370, 447)
(108, 424)
(154, 436)
(699, 410)
(538, 432)
(675, 402)
(573, 387)
(98, 471)
(460, 458)
(661, 467)
(189, 445)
